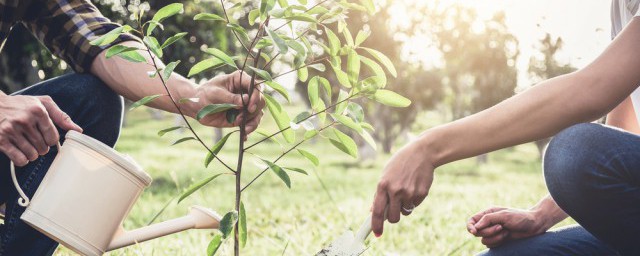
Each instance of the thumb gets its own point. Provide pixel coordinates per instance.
(490, 220)
(59, 117)
(233, 98)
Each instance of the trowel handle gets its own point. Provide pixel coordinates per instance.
(24, 199)
(365, 228)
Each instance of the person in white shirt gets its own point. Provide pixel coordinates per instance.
(592, 171)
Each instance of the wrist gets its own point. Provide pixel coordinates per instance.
(542, 219)
(188, 99)
(429, 145)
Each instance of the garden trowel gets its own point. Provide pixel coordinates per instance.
(349, 244)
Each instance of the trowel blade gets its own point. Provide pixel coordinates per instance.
(345, 245)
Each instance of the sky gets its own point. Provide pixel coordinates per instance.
(584, 26)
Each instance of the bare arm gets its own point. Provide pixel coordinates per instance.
(539, 112)
(131, 80)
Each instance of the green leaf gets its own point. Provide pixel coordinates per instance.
(215, 243)
(182, 140)
(367, 137)
(216, 149)
(242, 33)
(327, 87)
(262, 73)
(302, 2)
(367, 126)
(231, 115)
(301, 17)
(208, 16)
(314, 160)
(340, 108)
(163, 13)
(283, 3)
(266, 6)
(368, 4)
(278, 88)
(144, 101)
(204, 65)
(355, 111)
(227, 223)
(242, 228)
(298, 170)
(279, 171)
(165, 131)
(353, 67)
(168, 70)
(111, 36)
(280, 43)
(303, 74)
(214, 108)
(253, 15)
(391, 98)
(344, 143)
(197, 186)
(342, 77)
(318, 66)
(347, 36)
(281, 118)
(334, 42)
(384, 60)
(312, 90)
(348, 122)
(153, 45)
(317, 10)
(362, 35)
(375, 68)
(117, 49)
(222, 56)
(173, 39)
(133, 56)
(310, 134)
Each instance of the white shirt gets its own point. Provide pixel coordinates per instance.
(622, 11)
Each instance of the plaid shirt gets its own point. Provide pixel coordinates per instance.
(65, 27)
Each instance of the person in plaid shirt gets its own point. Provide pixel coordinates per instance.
(89, 101)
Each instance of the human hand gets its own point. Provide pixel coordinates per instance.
(230, 88)
(405, 183)
(498, 225)
(27, 126)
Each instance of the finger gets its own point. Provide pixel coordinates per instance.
(28, 150)
(256, 101)
(35, 138)
(471, 228)
(393, 213)
(254, 122)
(59, 117)
(496, 240)
(490, 231)
(407, 205)
(18, 158)
(379, 205)
(489, 220)
(240, 81)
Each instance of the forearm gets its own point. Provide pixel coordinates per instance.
(548, 212)
(545, 109)
(131, 80)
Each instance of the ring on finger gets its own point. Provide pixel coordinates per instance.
(408, 208)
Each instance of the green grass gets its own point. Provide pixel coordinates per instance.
(304, 218)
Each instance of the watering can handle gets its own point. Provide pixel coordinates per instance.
(24, 199)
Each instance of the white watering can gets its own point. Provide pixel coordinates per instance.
(86, 195)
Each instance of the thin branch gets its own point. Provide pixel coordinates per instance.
(233, 31)
(304, 119)
(298, 68)
(285, 153)
(164, 84)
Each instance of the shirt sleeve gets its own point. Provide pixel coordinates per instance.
(66, 28)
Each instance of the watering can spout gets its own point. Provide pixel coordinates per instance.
(198, 218)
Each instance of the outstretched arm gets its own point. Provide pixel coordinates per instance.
(539, 112)
(131, 80)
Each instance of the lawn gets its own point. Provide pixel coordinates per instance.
(300, 220)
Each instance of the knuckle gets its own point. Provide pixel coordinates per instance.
(383, 185)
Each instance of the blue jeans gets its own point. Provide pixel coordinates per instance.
(593, 173)
(91, 105)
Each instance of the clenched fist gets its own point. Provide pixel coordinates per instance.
(27, 126)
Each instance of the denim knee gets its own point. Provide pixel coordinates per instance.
(91, 104)
(570, 161)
